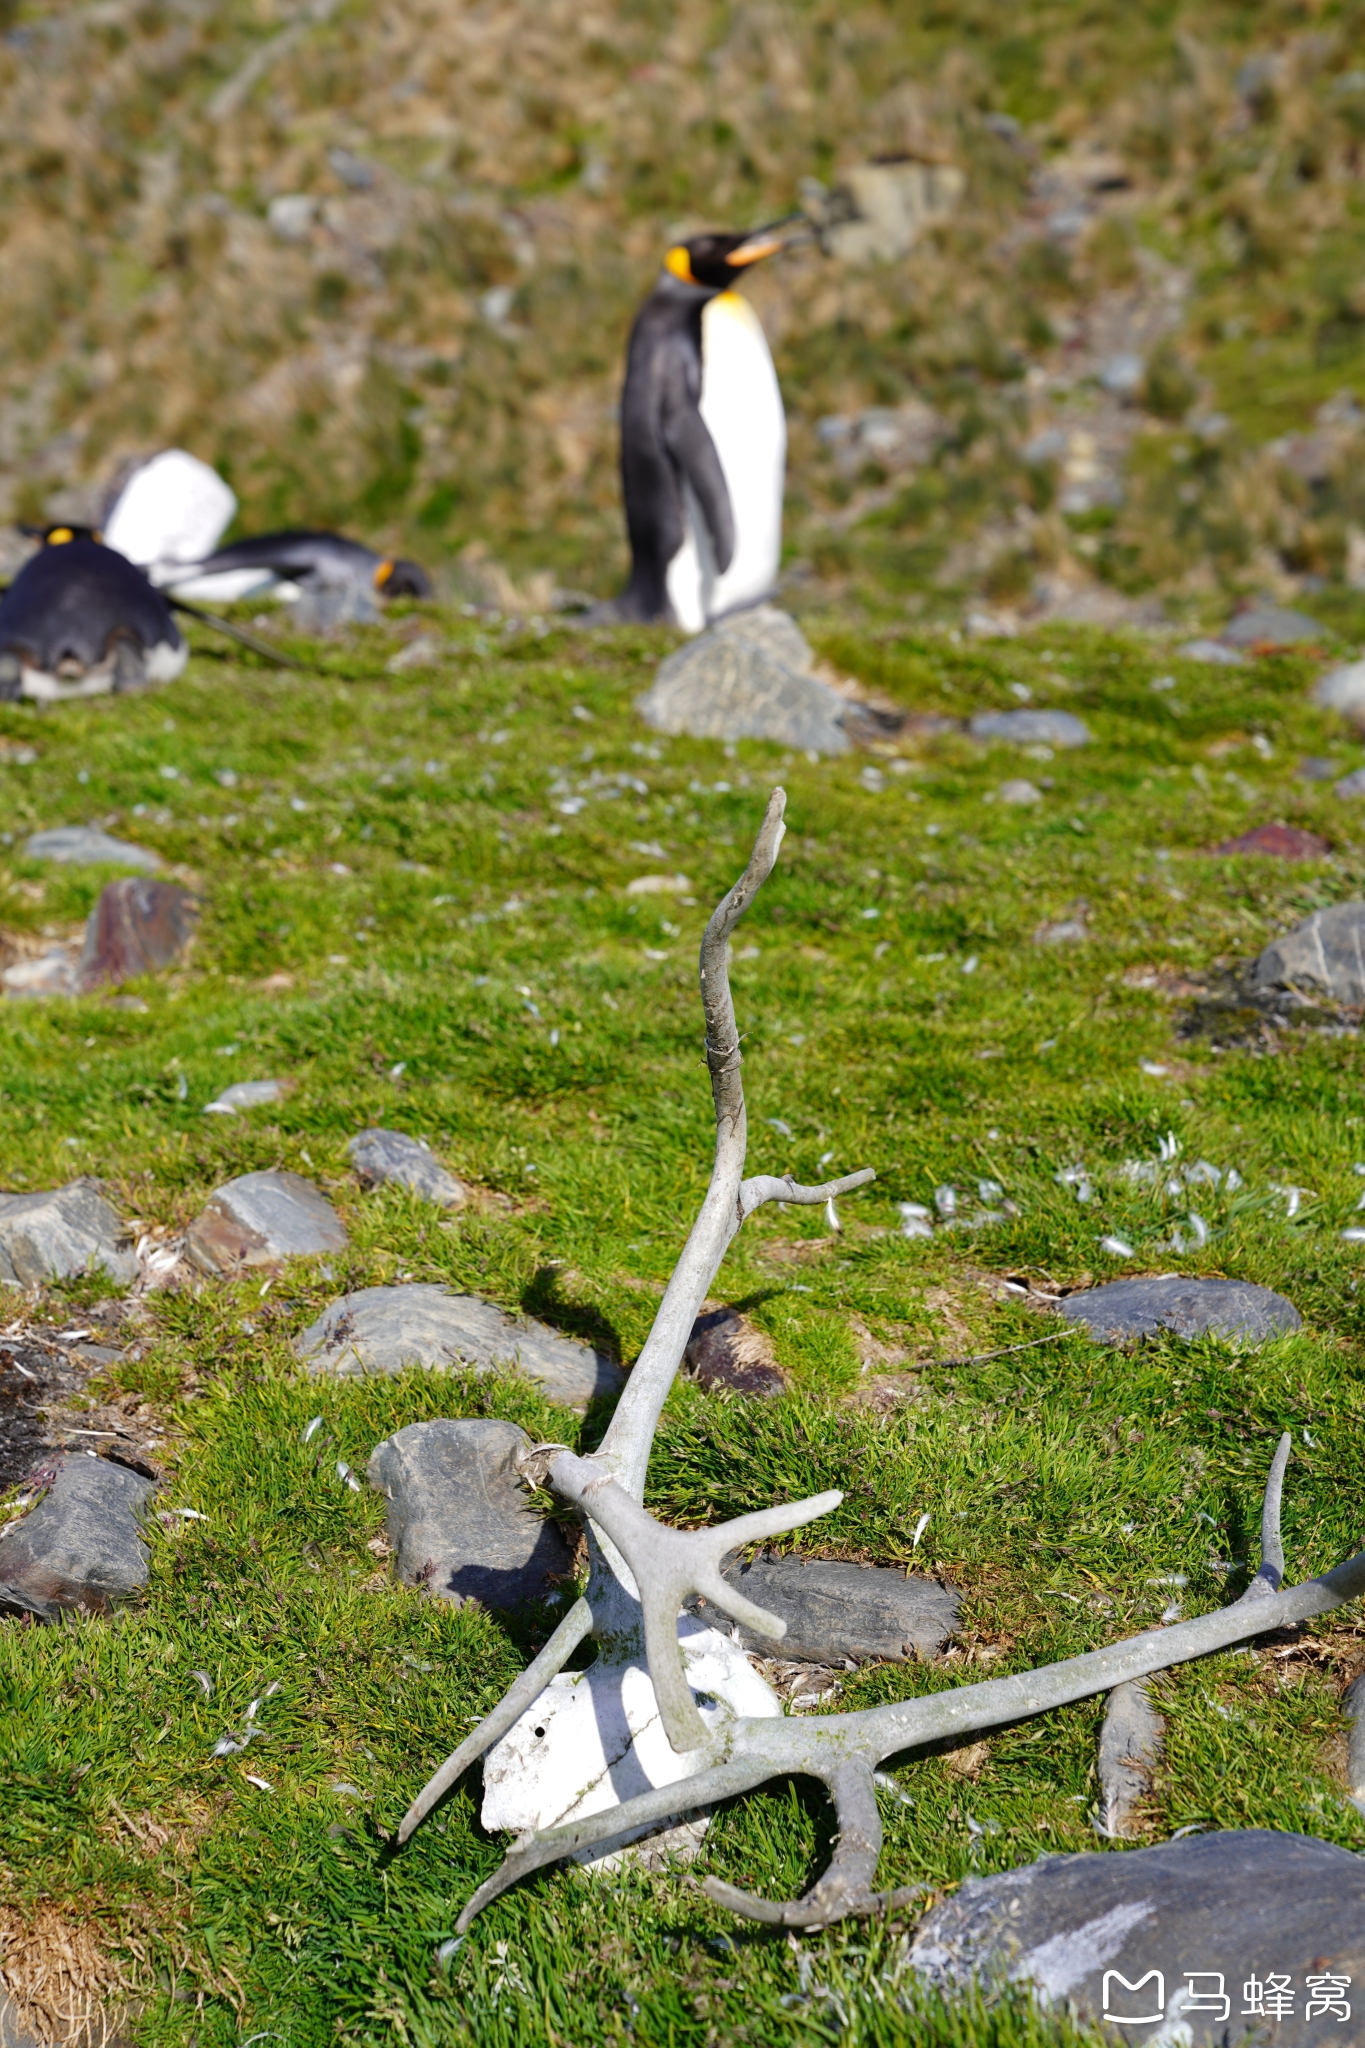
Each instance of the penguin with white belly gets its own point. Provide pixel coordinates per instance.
(703, 441)
(81, 620)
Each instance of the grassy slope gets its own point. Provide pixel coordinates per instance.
(1064, 1471)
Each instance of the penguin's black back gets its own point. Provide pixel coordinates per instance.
(663, 440)
(71, 602)
(303, 556)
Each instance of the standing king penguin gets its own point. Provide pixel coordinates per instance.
(703, 441)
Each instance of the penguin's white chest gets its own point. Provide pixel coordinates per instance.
(742, 407)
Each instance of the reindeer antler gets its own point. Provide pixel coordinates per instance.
(642, 1571)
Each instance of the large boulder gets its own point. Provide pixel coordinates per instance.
(60, 1231)
(1125, 1311)
(261, 1219)
(748, 678)
(1326, 952)
(1206, 1940)
(82, 1545)
(460, 1517)
(379, 1156)
(383, 1329)
(837, 1612)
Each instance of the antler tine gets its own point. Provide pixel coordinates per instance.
(521, 1694)
(669, 1564)
(844, 1886)
(531, 1852)
(1267, 1579)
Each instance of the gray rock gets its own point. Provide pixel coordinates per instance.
(379, 1156)
(82, 1545)
(1236, 1906)
(60, 1231)
(748, 678)
(1032, 728)
(1131, 1739)
(460, 1518)
(85, 846)
(1353, 1706)
(835, 1611)
(1270, 626)
(1326, 951)
(260, 1219)
(382, 1329)
(136, 927)
(1211, 651)
(1352, 785)
(1019, 791)
(1126, 1310)
(1343, 689)
(1317, 768)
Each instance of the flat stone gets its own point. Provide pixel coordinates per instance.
(85, 846)
(460, 1518)
(261, 1219)
(1326, 951)
(1211, 651)
(1343, 689)
(1019, 791)
(1284, 842)
(1353, 1707)
(136, 928)
(246, 1095)
(1352, 785)
(383, 1329)
(51, 973)
(1268, 626)
(748, 678)
(1031, 728)
(1126, 1310)
(726, 1351)
(1131, 1740)
(379, 1156)
(82, 1545)
(836, 1611)
(1318, 768)
(1234, 1906)
(56, 1232)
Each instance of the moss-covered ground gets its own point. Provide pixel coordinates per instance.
(415, 910)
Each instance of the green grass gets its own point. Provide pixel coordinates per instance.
(898, 1013)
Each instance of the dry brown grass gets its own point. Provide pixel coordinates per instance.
(58, 1978)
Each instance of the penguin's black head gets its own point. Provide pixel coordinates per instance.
(58, 536)
(715, 261)
(401, 579)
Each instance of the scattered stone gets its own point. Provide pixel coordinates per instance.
(1085, 1929)
(383, 1329)
(380, 1156)
(1212, 651)
(1285, 842)
(749, 677)
(136, 927)
(246, 1095)
(725, 1350)
(1266, 627)
(1352, 785)
(423, 652)
(1353, 1707)
(1343, 689)
(85, 846)
(1130, 1744)
(1317, 768)
(1066, 931)
(260, 1219)
(835, 1611)
(459, 1516)
(1125, 1311)
(82, 1545)
(60, 1231)
(1019, 791)
(50, 973)
(1326, 951)
(1032, 728)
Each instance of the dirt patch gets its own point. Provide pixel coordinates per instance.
(57, 1979)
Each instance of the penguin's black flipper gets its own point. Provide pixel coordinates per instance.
(688, 440)
(231, 632)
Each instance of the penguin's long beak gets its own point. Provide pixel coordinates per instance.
(770, 240)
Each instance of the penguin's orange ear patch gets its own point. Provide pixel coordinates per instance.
(680, 263)
(382, 574)
(56, 535)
